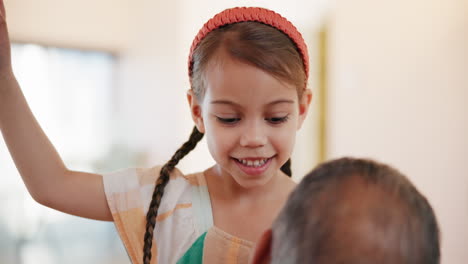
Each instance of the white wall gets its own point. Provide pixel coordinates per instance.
(102, 24)
(398, 93)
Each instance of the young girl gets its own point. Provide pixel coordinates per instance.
(248, 70)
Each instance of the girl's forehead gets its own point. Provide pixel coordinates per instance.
(230, 79)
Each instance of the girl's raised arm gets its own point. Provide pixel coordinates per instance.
(46, 177)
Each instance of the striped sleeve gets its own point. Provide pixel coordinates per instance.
(126, 192)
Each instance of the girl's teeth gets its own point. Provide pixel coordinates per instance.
(256, 163)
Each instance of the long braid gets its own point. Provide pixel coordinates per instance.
(158, 192)
(286, 168)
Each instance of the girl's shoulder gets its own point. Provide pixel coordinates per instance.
(131, 178)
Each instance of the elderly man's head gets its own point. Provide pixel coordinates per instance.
(353, 211)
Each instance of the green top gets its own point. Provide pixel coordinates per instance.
(194, 254)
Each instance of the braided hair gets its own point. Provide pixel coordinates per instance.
(158, 192)
(286, 168)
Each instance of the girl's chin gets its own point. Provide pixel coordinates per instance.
(248, 181)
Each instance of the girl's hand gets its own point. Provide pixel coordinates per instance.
(5, 55)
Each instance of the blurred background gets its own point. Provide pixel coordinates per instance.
(107, 80)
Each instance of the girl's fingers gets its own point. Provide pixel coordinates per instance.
(2, 11)
(2, 19)
(5, 59)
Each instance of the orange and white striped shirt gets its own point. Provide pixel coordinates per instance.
(184, 217)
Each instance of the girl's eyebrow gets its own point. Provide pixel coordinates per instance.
(224, 102)
(280, 101)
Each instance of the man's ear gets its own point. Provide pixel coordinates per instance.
(304, 104)
(195, 109)
(262, 251)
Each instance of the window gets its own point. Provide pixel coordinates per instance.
(70, 92)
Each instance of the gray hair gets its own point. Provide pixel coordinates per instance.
(356, 211)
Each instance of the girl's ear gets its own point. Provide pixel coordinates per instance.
(195, 109)
(304, 104)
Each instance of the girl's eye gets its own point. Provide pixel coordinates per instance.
(228, 121)
(277, 120)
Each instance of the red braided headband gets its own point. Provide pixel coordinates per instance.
(257, 14)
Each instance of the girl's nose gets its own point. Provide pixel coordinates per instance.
(253, 136)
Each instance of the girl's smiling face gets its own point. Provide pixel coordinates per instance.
(249, 118)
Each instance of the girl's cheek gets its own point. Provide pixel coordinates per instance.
(222, 132)
(286, 136)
